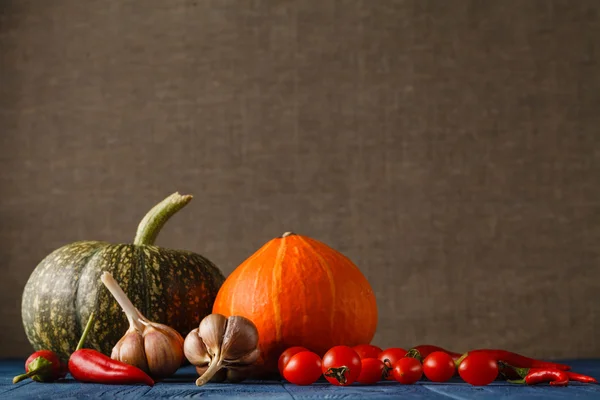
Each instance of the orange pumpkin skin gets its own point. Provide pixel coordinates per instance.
(300, 292)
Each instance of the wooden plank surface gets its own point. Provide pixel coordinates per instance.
(182, 386)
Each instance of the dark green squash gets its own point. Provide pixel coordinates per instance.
(172, 287)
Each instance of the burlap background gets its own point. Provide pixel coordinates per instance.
(450, 148)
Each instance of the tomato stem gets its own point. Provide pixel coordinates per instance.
(414, 353)
(339, 374)
(387, 367)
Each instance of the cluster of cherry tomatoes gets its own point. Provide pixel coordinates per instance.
(368, 364)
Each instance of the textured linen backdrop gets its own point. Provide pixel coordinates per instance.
(450, 148)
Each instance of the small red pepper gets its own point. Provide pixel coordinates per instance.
(43, 366)
(87, 365)
(421, 352)
(517, 360)
(533, 376)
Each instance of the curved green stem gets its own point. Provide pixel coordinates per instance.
(156, 218)
(39, 366)
(87, 329)
(460, 360)
(21, 377)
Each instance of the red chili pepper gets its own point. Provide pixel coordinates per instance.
(43, 366)
(580, 378)
(556, 377)
(517, 360)
(87, 365)
(533, 376)
(421, 352)
(572, 375)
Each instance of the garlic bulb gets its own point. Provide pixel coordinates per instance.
(220, 342)
(156, 349)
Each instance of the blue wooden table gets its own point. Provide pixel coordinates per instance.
(182, 386)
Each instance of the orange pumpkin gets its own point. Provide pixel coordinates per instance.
(300, 292)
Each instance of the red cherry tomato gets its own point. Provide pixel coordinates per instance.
(407, 370)
(371, 371)
(303, 368)
(438, 367)
(367, 351)
(478, 369)
(286, 355)
(341, 365)
(393, 355)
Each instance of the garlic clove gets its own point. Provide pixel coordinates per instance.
(211, 330)
(130, 350)
(164, 350)
(195, 350)
(240, 338)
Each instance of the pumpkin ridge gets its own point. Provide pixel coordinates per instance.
(300, 266)
(276, 287)
(142, 260)
(76, 292)
(256, 281)
(134, 255)
(258, 277)
(327, 268)
(244, 267)
(90, 264)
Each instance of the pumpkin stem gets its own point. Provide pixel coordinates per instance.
(287, 234)
(156, 218)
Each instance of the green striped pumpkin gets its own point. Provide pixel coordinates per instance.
(172, 287)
